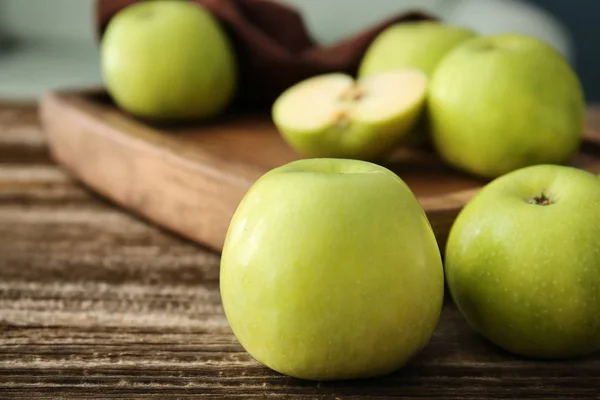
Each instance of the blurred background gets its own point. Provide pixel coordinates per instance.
(46, 44)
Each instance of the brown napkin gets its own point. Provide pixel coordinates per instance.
(273, 46)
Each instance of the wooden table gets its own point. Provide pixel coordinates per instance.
(95, 303)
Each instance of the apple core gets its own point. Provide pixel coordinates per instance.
(354, 93)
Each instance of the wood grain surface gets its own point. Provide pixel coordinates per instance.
(97, 304)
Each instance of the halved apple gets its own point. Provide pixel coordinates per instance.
(334, 115)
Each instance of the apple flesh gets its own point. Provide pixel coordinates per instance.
(330, 270)
(168, 60)
(419, 44)
(523, 262)
(336, 116)
(500, 103)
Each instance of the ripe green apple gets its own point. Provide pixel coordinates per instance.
(523, 262)
(335, 116)
(418, 44)
(168, 60)
(504, 102)
(330, 270)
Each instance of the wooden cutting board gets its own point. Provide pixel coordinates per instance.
(190, 178)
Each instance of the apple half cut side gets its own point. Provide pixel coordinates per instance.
(333, 115)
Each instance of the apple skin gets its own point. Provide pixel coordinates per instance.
(419, 44)
(526, 276)
(504, 102)
(330, 270)
(168, 60)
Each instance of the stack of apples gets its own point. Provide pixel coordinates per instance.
(330, 268)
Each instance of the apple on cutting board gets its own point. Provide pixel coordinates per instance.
(522, 262)
(504, 102)
(330, 270)
(418, 44)
(168, 60)
(335, 115)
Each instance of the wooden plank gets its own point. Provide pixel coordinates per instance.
(21, 137)
(43, 184)
(203, 359)
(94, 241)
(162, 179)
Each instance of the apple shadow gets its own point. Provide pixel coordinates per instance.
(457, 363)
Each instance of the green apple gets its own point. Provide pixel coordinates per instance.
(500, 103)
(418, 44)
(168, 60)
(334, 115)
(330, 270)
(523, 262)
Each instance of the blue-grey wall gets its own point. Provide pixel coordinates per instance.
(582, 18)
(68, 21)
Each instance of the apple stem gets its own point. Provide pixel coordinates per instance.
(541, 200)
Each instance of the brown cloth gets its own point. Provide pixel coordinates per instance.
(273, 46)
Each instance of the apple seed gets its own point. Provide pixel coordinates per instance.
(354, 93)
(351, 95)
